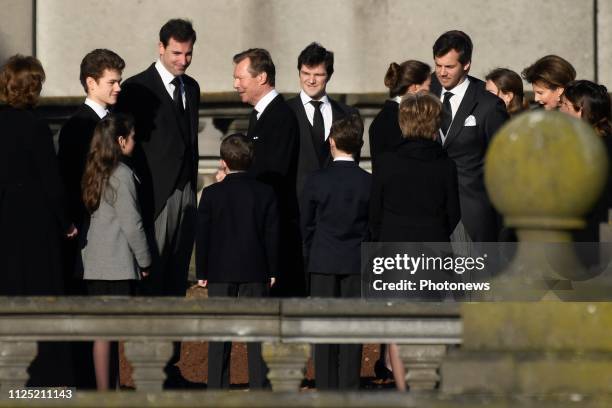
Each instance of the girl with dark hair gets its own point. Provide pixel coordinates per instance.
(590, 102)
(115, 253)
(508, 85)
(408, 77)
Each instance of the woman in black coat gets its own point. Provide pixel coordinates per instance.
(32, 210)
(415, 196)
(408, 77)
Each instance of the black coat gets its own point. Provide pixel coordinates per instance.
(276, 142)
(33, 216)
(414, 194)
(385, 133)
(237, 234)
(334, 220)
(74, 141)
(166, 140)
(308, 159)
(467, 146)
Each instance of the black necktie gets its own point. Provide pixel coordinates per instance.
(447, 113)
(252, 122)
(177, 95)
(318, 127)
(318, 133)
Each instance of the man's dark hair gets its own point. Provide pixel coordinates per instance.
(94, 64)
(454, 40)
(260, 61)
(179, 29)
(237, 152)
(348, 134)
(316, 54)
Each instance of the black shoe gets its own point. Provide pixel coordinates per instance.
(381, 371)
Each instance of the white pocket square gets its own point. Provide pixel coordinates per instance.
(470, 121)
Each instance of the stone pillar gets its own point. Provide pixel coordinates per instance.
(15, 357)
(287, 364)
(148, 359)
(421, 363)
(543, 171)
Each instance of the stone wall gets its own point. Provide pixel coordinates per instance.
(365, 34)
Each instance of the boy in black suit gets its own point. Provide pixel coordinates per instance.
(334, 223)
(237, 248)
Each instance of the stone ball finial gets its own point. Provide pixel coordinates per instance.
(545, 170)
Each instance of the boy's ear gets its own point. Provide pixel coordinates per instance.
(332, 142)
(223, 165)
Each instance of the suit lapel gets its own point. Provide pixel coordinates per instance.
(166, 99)
(468, 103)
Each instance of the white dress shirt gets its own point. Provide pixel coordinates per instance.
(458, 93)
(344, 158)
(326, 111)
(264, 102)
(397, 99)
(167, 79)
(100, 110)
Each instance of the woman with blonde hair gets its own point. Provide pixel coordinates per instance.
(415, 193)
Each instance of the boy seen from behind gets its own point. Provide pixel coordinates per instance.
(237, 248)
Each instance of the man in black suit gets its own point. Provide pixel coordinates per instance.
(164, 102)
(334, 223)
(275, 134)
(315, 110)
(470, 118)
(237, 263)
(100, 77)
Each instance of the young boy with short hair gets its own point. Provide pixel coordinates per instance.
(237, 248)
(334, 221)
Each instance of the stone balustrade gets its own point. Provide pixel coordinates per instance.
(286, 327)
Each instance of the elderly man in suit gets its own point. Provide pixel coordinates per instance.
(274, 131)
(315, 110)
(470, 118)
(164, 102)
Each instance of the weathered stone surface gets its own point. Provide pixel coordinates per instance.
(15, 357)
(421, 363)
(148, 359)
(286, 363)
(481, 372)
(549, 326)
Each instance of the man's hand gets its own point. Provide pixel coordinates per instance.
(72, 232)
(145, 272)
(202, 283)
(272, 281)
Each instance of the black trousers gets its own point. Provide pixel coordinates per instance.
(337, 366)
(219, 353)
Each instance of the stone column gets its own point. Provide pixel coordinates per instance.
(15, 357)
(421, 363)
(148, 359)
(287, 364)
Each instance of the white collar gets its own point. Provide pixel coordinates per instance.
(344, 158)
(306, 99)
(265, 101)
(397, 99)
(100, 110)
(458, 90)
(165, 75)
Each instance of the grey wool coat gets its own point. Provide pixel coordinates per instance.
(116, 246)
